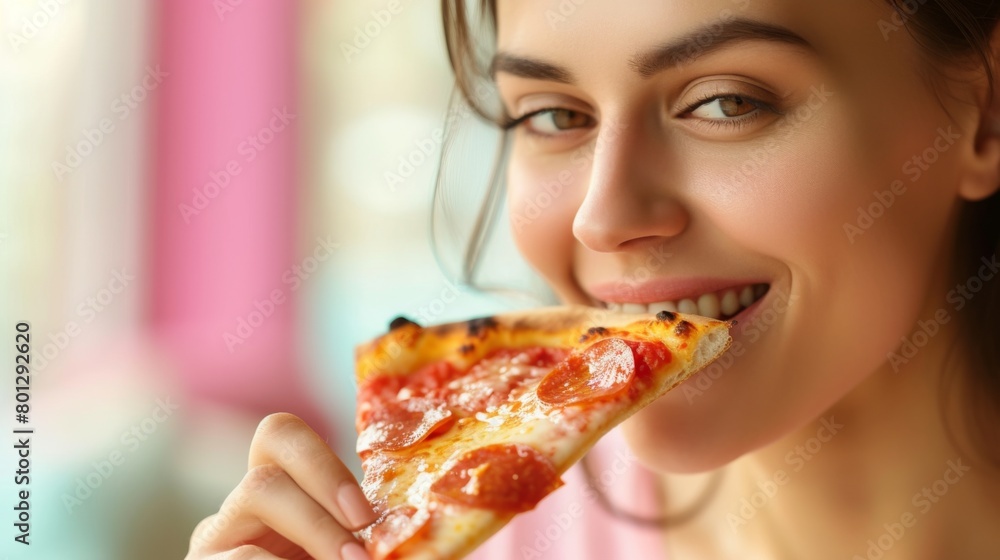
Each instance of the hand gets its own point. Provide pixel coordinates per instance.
(297, 501)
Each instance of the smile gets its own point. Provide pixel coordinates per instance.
(721, 304)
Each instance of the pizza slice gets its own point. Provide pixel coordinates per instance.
(464, 425)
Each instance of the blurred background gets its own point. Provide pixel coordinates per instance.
(204, 206)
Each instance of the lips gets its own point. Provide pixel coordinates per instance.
(703, 298)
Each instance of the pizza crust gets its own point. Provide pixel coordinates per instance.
(411, 346)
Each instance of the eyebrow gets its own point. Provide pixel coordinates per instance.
(711, 38)
(530, 68)
(685, 49)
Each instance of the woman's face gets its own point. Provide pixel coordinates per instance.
(697, 152)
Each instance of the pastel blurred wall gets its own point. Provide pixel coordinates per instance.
(196, 220)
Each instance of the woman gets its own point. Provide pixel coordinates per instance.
(832, 163)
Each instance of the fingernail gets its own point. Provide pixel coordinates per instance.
(355, 506)
(353, 551)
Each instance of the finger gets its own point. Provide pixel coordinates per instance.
(268, 500)
(245, 552)
(287, 441)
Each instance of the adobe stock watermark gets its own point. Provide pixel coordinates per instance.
(291, 279)
(255, 481)
(541, 201)
(366, 33)
(752, 329)
(253, 484)
(959, 297)
(564, 10)
(546, 536)
(225, 7)
(796, 460)
(900, 15)
(130, 440)
(426, 148)
(390, 349)
(250, 149)
(33, 24)
(914, 168)
(376, 364)
(791, 123)
(430, 312)
(551, 190)
(656, 259)
(87, 311)
(703, 381)
(922, 502)
(92, 137)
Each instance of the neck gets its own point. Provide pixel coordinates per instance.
(886, 473)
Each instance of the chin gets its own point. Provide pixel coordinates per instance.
(675, 434)
(681, 448)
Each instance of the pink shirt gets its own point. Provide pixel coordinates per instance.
(571, 524)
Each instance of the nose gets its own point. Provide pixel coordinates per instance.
(630, 199)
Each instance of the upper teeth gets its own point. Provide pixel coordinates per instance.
(715, 305)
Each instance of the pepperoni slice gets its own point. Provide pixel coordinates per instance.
(504, 477)
(604, 369)
(392, 530)
(403, 424)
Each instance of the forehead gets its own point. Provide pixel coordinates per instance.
(609, 36)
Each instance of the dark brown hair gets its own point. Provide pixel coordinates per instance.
(953, 34)
(960, 31)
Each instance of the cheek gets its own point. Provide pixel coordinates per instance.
(859, 282)
(851, 224)
(864, 234)
(543, 199)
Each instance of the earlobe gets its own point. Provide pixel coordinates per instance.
(982, 178)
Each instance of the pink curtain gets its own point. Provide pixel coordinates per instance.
(224, 207)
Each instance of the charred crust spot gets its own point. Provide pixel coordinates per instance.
(466, 349)
(478, 326)
(683, 329)
(666, 316)
(400, 322)
(593, 331)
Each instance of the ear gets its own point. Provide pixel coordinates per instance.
(982, 178)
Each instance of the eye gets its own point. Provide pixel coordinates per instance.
(552, 121)
(725, 107)
(729, 112)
